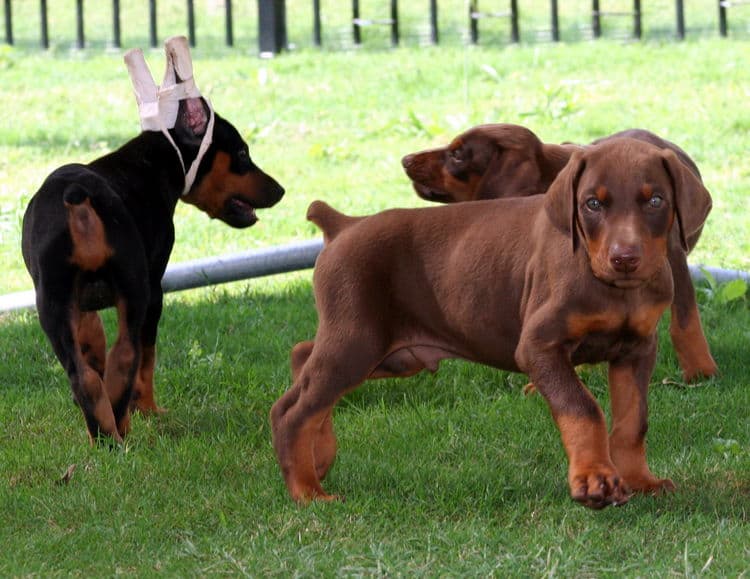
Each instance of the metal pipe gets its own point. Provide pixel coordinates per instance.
(213, 270)
(272, 260)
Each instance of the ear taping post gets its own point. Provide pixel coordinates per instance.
(158, 106)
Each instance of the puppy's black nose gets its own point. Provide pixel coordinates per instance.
(624, 259)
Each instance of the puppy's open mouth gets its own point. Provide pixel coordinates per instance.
(238, 212)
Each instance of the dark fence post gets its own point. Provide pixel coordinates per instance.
(271, 26)
(317, 34)
(596, 22)
(680, 12)
(116, 32)
(514, 21)
(152, 22)
(229, 24)
(555, 21)
(80, 40)
(637, 18)
(723, 28)
(434, 33)
(355, 18)
(8, 23)
(191, 22)
(473, 23)
(394, 22)
(44, 24)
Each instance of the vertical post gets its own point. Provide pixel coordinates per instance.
(44, 24)
(473, 21)
(434, 33)
(680, 12)
(317, 34)
(152, 22)
(80, 40)
(228, 25)
(8, 22)
(514, 34)
(596, 22)
(555, 21)
(723, 28)
(271, 26)
(355, 22)
(191, 22)
(637, 19)
(116, 31)
(394, 22)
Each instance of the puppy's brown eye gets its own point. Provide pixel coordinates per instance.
(656, 201)
(594, 204)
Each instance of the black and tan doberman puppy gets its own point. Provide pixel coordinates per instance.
(504, 160)
(535, 284)
(100, 235)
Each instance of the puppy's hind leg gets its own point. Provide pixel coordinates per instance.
(324, 443)
(301, 419)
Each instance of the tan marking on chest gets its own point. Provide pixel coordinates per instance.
(641, 321)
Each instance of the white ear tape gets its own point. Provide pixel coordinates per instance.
(146, 91)
(158, 107)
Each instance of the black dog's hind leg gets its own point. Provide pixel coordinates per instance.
(58, 321)
(143, 394)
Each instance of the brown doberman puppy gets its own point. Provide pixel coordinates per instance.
(534, 284)
(504, 160)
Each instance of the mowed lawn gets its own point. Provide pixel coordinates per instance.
(449, 474)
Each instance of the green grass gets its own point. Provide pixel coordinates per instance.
(451, 474)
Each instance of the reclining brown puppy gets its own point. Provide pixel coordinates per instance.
(535, 284)
(504, 160)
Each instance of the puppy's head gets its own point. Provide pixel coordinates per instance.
(485, 162)
(619, 200)
(228, 185)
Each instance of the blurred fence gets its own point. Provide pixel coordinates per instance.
(273, 25)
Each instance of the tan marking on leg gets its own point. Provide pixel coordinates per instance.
(593, 479)
(92, 384)
(143, 395)
(627, 441)
(691, 347)
(92, 340)
(120, 361)
(325, 446)
(300, 472)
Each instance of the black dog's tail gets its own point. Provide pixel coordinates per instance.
(330, 221)
(90, 246)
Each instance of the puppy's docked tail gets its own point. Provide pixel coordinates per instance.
(330, 221)
(91, 249)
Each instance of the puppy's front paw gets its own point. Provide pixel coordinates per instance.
(598, 486)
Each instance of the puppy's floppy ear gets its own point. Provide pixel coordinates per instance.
(560, 200)
(691, 199)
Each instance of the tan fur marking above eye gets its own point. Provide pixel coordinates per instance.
(91, 250)
(647, 191)
(601, 193)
